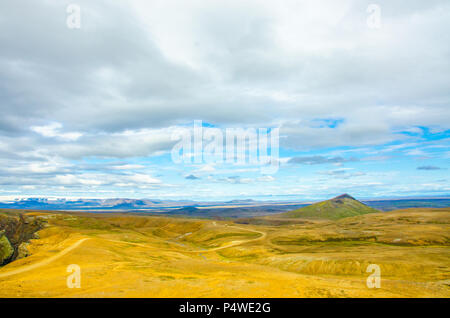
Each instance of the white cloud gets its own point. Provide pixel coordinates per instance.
(138, 69)
(143, 179)
(266, 179)
(127, 167)
(28, 187)
(53, 130)
(70, 179)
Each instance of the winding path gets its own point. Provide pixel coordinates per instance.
(79, 242)
(43, 262)
(234, 243)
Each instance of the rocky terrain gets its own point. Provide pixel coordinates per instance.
(16, 230)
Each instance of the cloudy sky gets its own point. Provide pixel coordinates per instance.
(362, 108)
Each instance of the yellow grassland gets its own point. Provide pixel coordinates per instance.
(145, 256)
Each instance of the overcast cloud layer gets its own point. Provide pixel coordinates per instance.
(89, 112)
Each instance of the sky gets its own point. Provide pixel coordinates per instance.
(359, 94)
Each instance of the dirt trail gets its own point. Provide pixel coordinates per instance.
(43, 262)
(234, 243)
(79, 242)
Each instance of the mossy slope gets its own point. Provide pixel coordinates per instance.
(340, 207)
(6, 250)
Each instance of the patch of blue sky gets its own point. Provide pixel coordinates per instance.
(328, 122)
(426, 133)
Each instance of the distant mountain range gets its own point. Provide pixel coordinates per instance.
(228, 209)
(113, 204)
(88, 204)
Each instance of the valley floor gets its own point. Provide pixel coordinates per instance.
(145, 256)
